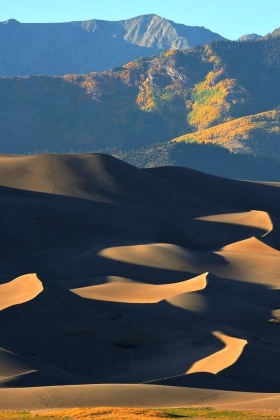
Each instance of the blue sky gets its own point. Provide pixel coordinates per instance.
(230, 18)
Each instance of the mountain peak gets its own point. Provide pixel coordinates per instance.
(11, 22)
(249, 37)
(273, 34)
(97, 45)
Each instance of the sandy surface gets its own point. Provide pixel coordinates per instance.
(153, 287)
(118, 289)
(19, 290)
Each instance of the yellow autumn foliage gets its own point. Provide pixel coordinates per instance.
(145, 98)
(210, 104)
(70, 77)
(136, 64)
(240, 129)
(210, 56)
(173, 51)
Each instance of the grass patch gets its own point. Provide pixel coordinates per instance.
(140, 414)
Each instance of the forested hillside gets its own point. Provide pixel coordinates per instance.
(220, 93)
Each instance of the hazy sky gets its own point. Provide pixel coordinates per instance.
(229, 18)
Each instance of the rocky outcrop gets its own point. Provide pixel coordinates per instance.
(249, 37)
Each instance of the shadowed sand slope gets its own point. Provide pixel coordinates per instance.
(119, 298)
(253, 218)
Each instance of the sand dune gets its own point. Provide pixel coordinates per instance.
(20, 290)
(223, 358)
(164, 256)
(250, 245)
(12, 364)
(118, 310)
(119, 289)
(253, 218)
(112, 395)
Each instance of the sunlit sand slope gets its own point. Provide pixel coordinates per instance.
(20, 290)
(124, 290)
(223, 358)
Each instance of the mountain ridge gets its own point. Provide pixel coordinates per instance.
(201, 93)
(81, 47)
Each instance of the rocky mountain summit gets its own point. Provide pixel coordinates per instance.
(273, 34)
(249, 37)
(94, 45)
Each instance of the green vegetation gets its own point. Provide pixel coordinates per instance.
(260, 131)
(209, 102)
(142, 414)
(209, 158)
(147, 101)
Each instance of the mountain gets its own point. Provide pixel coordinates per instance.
(94, 45)
(273, 34)
(249, 37)
(147, 101)
(225, 93)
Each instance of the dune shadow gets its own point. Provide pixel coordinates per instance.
(68, 241)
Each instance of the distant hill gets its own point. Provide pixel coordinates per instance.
(249, 37)
(94, 45)
(209, 158)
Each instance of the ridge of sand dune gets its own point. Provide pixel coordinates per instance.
(250, 245)
(241, 194)
(119, 289)
(254, 218)
(12, 364)
(156, 255)
(249, 267)
(132, 395)
(97, 177)
(20, 290)
(222, 359)
(77, 220)
(83, 176)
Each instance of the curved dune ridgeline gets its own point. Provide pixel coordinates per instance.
(124, 290)
(154, 287)
(20, 290)
(222, 359)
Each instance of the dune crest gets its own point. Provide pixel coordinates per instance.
(222, 359)
(129, 395)
(252, 245)
(128, 291)
(156, 255)
(254, 218)
(20, 290)
(11, 365)
(114, 246)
